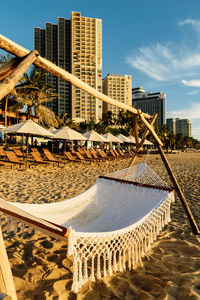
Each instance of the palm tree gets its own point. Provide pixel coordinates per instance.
(12, 95)
(33, 94)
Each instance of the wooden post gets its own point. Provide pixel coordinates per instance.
(150, 128)
(179, 192)
(8, 84)
(135, 127)
(19, 51)
(7, 283)
(142, 141)
(8, 67)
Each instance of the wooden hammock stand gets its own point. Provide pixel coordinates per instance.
(10, 74)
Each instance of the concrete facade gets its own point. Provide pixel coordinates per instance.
(150, 103)
(117, 87)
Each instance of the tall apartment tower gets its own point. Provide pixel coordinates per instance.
(150, 103)
(119, 88)
(172, 125)
(76, 46)
(54, 43)
(87, 65)
(183, 126)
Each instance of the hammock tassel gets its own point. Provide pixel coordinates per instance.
(92, 278)
(80, 279)
(75, 276)
(110, 264)
(71, 242)
(98, 267)
(104, 265)
(115, 261)
(85, 276)
(129, 259)
(120, 261)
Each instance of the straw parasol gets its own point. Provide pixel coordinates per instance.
(124, 138)
(146, 142)
(28, 128)
(111, 138)
(66, 133)
(93, 136)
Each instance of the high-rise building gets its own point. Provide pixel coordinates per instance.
(119, 88)
(172, 125)
(150, 103)
(86, 65)
(54, 43)
(182, 126)
(76, 46)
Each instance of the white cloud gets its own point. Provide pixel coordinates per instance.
(193, 82)
(191, 113)
(194, 23)
(167, 62)
(193, 92)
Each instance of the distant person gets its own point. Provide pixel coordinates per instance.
(36, 142)
(68, 147)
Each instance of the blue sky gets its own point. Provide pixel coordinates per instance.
(155, 41)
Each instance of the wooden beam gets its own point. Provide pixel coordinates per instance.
(19, 51)
(8, 84)
(8, 283)
(146, 123)
(179, 192)
(142, 141)
(8, 67)
(135, 127)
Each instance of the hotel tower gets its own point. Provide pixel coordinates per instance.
(76, 46)
(117, 87)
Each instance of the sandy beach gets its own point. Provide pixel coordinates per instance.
(41, 270)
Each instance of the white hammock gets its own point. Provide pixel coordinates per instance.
(111, 225)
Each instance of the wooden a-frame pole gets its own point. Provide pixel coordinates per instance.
(6, 279)
(135, 128)
(8, 67)
(138, 148)
(177, 188)
(8, 84)
(179, 191)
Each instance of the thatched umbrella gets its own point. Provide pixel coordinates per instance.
(28, 128)
(124, 138)
(111, 138)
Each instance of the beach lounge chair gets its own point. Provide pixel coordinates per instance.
(104, 155)
(12, 157)
(116, 153)
(95, 154)
(18, 152)
(2, 152)
(50, 156)
(38, 159)
(71, 157)
(80, 156)
(123, 154)
(6, 164)
(35, 150)
(88, 154)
